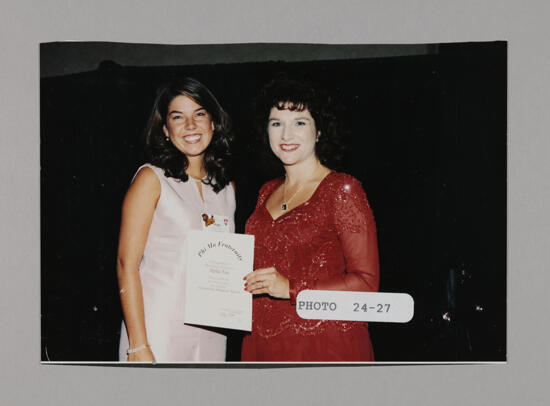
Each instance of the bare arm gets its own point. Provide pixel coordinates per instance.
(137, 214)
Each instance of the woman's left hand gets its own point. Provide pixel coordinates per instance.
(267, 280)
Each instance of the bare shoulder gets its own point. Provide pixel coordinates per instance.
(146, 177)
(146, 184)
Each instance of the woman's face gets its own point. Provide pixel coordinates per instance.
(189, 126)
(292, 135)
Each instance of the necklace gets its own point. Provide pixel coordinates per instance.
(197, 179)
(285, 202)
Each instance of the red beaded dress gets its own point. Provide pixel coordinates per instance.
(326, 243)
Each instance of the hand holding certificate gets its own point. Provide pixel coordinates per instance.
(214, 294)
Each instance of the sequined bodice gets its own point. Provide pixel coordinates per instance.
(307, 246)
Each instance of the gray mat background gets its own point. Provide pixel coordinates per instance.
(523, 380)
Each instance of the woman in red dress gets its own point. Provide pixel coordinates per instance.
(313, 228)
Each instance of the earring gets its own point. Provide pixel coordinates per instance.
(317, 139)
(167, 139)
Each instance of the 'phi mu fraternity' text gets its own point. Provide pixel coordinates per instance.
(219, 244)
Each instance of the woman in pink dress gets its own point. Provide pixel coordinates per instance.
(187, 140)
(313, 228)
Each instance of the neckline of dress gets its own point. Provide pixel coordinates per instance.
(300, 205)
(195, 182)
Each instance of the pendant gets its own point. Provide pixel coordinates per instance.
(283, 206)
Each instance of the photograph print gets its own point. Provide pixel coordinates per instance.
(355, 168)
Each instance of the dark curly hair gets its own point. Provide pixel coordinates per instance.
(296, 95)
(162, 153)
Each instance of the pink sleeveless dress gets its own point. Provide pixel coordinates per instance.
(162, 272)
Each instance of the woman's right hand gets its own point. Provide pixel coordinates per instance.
(145, 355)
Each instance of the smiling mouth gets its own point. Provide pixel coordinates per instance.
(289, 147)
(192, 138)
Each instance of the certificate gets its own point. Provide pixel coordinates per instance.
(214, 284)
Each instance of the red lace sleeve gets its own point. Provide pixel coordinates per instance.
(356, 229)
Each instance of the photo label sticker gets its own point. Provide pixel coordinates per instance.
(355, 306)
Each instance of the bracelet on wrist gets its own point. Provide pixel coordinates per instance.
(137, 349)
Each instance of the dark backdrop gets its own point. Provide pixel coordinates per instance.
(427, 138)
